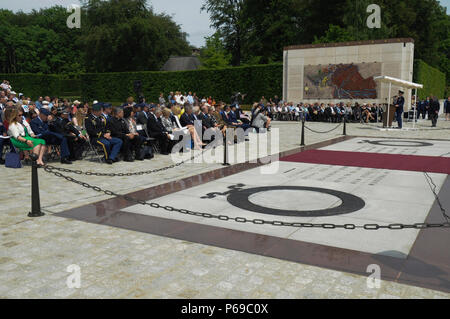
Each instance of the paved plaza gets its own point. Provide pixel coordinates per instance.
(180, 257)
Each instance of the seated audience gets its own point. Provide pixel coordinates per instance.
(131, 141)
(22, 139)
(40, 127)
(96, 128)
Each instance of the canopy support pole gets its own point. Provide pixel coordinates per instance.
(415, 108)
(389, 105)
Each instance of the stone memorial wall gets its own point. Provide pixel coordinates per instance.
(335, 72)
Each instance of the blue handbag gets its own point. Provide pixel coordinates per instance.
(12, 160)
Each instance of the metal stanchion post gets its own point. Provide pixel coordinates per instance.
(303, 132)
(345, 125)
(225, 152)
(35, 199)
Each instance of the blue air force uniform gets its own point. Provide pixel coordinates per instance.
(42, 130)
(399, 110)
(96, 128)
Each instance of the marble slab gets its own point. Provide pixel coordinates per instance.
(393, 146)
(390, 197)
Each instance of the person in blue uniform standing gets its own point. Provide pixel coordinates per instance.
(399, 109)
(96, 128)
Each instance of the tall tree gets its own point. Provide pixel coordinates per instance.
(126, 35)
(214, 55)
(227, 18)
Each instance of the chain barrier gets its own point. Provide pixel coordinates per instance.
(318, 132)
(243, 220)
(433, 188)
(148, 172)
(419, 128)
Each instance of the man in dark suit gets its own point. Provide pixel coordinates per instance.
(157, 130)
(421, 109)
(187, 119)
(230, 118)
(426, 104)
(119, 129)
(41, 128)
(142, 116)
(435, 107)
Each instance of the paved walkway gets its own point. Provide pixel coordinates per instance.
(117, 263)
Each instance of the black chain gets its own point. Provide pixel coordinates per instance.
(433, 188)
(49, 169)
(417, 129)
(318, 132)
(157, 170)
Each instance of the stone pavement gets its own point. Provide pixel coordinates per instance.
(117, 263)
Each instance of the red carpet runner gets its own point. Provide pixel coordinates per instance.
(427, 164)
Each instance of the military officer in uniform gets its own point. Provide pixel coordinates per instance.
(96, 128)
(107, 109)
(41, 127)
(75, 138)
(399, 108)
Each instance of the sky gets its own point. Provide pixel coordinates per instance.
(184, 12)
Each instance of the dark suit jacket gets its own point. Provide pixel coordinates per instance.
(435, 106)
(154, 125)
(117, 127)
(141, 118)
(227, 118)
(39, 127)
(233, 117)
(186, 120)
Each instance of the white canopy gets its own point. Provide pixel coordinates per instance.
(401, 83)
(398, 82)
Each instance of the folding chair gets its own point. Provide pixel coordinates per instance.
(93, 149)
(152, 141)
(54, 154)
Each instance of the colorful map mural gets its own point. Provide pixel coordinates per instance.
(341, 81)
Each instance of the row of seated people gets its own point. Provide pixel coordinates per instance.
(163, 123)
(36, 134)
(325, 112)
(124, 130)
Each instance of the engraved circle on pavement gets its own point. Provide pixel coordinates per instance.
(349, 203)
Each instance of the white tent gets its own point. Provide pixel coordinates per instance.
(403, 84)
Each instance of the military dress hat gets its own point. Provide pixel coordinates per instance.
(97, 107)
(45, 111)
(401, 92)
(107, 105)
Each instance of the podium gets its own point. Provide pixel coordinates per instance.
(387, 120)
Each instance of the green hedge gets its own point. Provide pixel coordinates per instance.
(34, 85)
(255, 81)
(432, 79)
